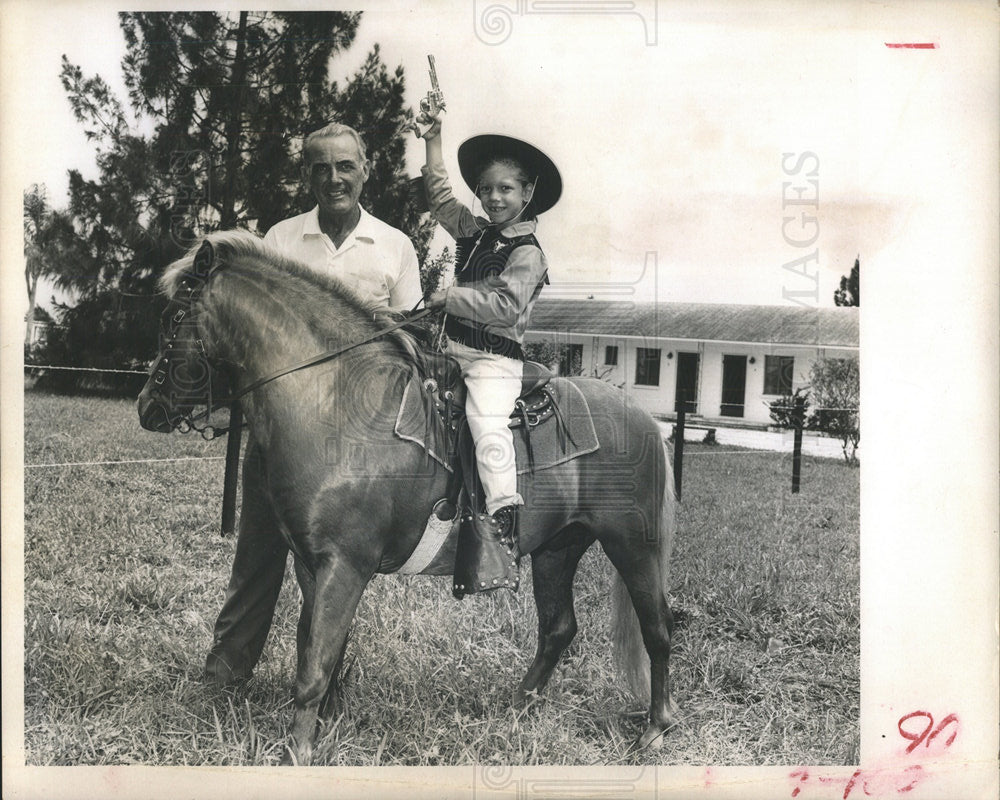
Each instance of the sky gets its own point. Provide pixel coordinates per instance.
(670, 126)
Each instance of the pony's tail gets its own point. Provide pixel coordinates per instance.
(628, 650)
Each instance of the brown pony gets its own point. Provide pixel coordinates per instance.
(352, 498)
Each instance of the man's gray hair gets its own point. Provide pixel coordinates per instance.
(335, 129)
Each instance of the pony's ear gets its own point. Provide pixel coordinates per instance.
(204, 260)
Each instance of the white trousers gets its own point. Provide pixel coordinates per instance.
(493, 383)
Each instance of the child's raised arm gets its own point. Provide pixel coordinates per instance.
(432, 137)
(453, 216)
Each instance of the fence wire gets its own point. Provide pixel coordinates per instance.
(125, 461)
(54, 465)
(146, 372)
(87, 369)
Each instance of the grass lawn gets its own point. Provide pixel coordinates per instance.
(125, 572)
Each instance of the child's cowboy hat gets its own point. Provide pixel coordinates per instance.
(475, 152)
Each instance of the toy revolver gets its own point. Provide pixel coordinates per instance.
(433, 103)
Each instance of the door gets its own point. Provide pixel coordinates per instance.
(734, 385)
(686, 392)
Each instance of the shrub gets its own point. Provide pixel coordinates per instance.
(544, 353)
(786, 412)
(836, 389)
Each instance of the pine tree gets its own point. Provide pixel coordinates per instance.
(849, 293)
(218, 106)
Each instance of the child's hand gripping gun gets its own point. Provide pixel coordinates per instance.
(431, 105)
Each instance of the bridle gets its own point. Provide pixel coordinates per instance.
(185, 296)
(178, 309)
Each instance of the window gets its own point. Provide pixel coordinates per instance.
(611, 355)
(571, 360)
(778, 372)
(647, 367)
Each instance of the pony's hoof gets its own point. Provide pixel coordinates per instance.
(293, 759)
(330, 708)
(652, 738)
(522, 700)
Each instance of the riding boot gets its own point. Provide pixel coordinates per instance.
(486, 556)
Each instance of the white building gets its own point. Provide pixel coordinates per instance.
(37, 330)
(727, 361)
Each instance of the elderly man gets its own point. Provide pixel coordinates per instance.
(340, 238)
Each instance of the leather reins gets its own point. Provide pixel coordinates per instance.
(329, 355)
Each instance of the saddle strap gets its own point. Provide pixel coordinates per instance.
(449, 402)
(562, 429)
(522, 409)
(429, 413)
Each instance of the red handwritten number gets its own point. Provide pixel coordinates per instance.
(929, 733)
(850, 784)
(915, 738)
(951, 719)
(917, 771)
(803, 776)
(879, 780)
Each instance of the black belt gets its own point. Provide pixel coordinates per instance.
(479, 337)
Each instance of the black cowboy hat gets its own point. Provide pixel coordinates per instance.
(475, 152)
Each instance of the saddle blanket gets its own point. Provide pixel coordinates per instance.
(550, 444)
(435, 552)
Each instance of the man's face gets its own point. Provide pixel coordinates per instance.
(336, 173)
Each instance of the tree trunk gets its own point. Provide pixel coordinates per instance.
(30, 317)
(238, 82)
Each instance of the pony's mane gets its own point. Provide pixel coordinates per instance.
(244, 244)
(250, 249)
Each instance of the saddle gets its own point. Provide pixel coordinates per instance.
(482, 561)
(445, 394)
(442, 382)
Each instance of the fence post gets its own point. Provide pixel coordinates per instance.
(232, 468)
(798, 416)
(679, 447)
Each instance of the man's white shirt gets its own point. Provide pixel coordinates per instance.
(376, 260)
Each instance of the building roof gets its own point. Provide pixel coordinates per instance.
(822, 327)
